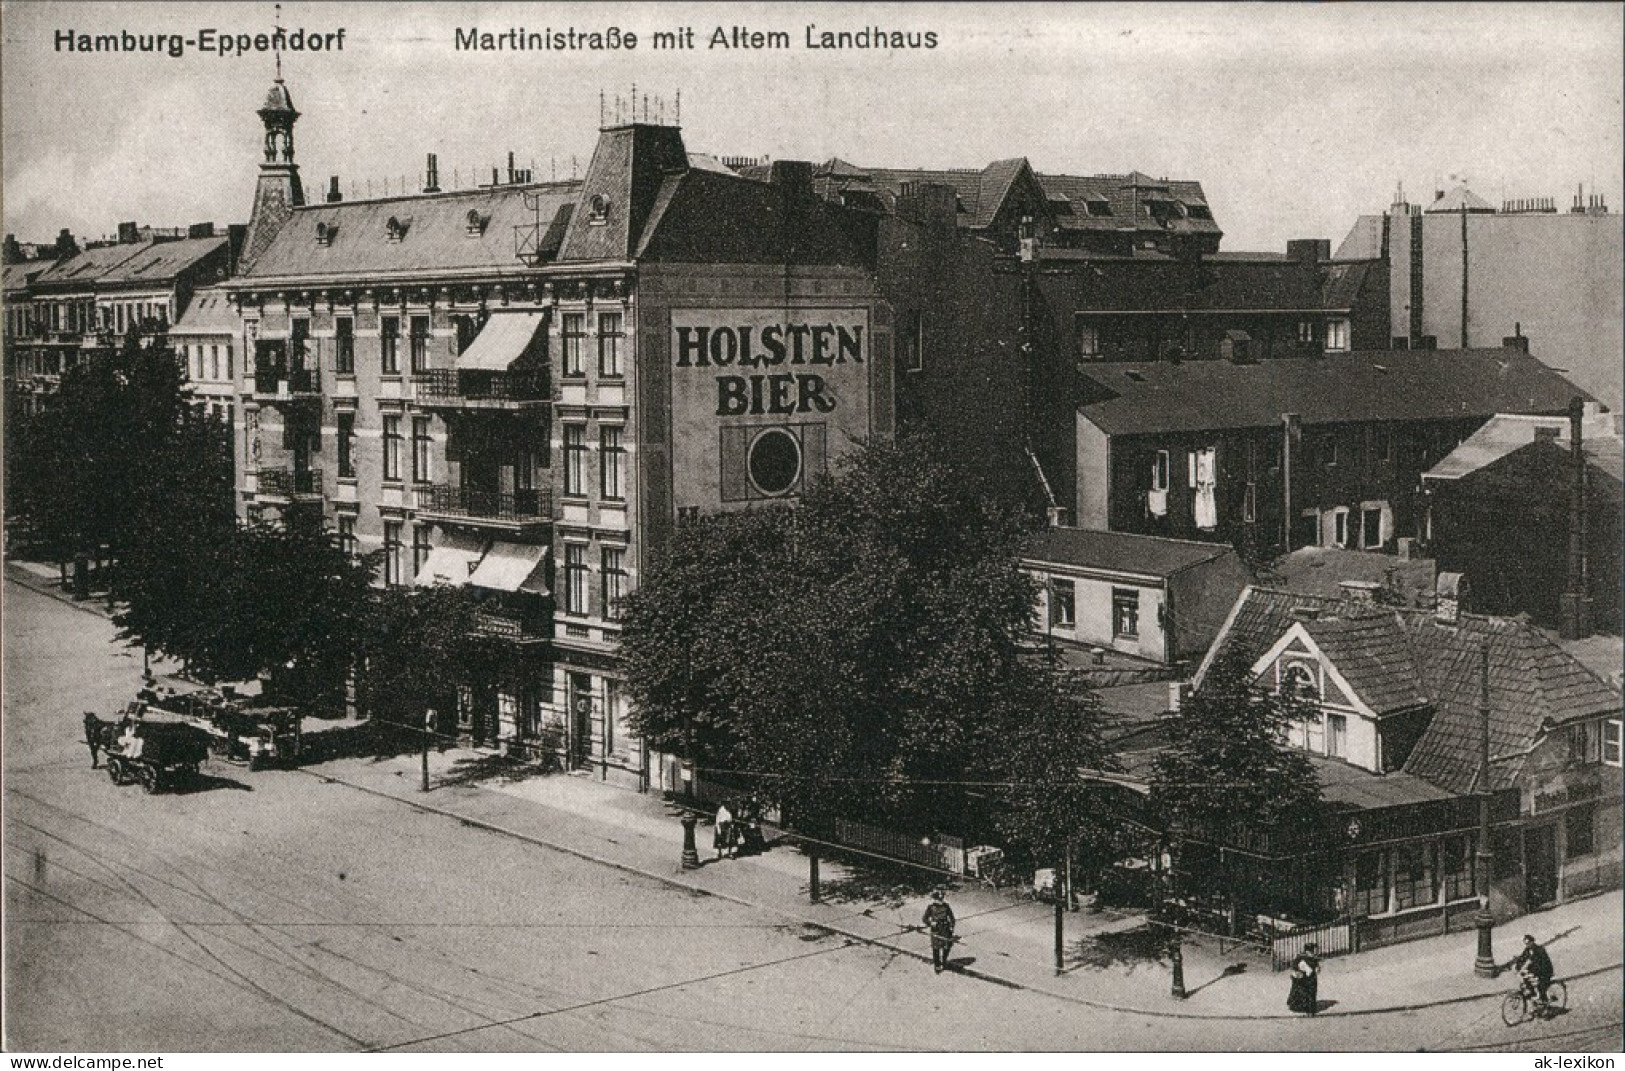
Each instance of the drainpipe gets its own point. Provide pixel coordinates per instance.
(1289, 428)
(1575, 621)
(1484, 963)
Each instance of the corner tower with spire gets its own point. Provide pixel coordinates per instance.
(278, 191)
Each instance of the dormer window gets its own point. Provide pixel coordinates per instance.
(598, 209)
(1099, 206)
(395, 228)
(325, 232)
(477, 222)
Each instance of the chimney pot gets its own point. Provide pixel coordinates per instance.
(432, 183)
(1450, 592)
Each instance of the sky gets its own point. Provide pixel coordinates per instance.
(1296, 119)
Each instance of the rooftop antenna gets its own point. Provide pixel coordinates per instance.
(679, 119)
(634, 102)
(276, 42)
(601, 123)
(660, 110)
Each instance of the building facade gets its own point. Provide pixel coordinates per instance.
(1401, 698)
(1463, 273)
(524, 387)
(1161, 600)
(1272, 456)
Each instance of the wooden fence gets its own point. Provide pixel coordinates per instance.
(1333, 938)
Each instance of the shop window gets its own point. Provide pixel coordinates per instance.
(1456, 868)
(1125, 613)
(1578, 827)
(1371, 884)
(1063, 604)
(1414, 877)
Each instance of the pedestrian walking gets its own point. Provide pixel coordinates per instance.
(939, 920)
(722, 838)
(93, 738)
(1304, 996)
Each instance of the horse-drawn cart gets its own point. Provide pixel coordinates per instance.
(158, 754)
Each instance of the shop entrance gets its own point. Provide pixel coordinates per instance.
(1540, 861)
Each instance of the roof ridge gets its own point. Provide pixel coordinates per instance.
(419, 197)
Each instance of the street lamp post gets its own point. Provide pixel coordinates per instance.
(691, 854)
(1484, 963)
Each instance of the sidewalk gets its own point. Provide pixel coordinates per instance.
(1003, 939)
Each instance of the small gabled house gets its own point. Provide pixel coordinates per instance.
(1402, 697)
(1157, 599)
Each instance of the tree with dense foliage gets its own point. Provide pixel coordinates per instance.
(859, 655)
(1228, 778)
(422, 643)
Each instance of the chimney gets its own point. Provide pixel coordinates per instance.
(795, 176)
(1309, 251)
(1177, 691)
(929, 204)
(128, 233)
(1306, 613)
(1357, 593)
(1450, 597)
(333, 194)
(1574, 607)
(13, 249)
(200, 230)
(1517, 340)
(1059, 517)
(510, 168)
(431, 180)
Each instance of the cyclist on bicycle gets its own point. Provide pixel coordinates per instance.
(1535, 968)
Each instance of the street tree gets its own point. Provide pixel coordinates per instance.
(858, 655)
(420, 644)
(1228, 778)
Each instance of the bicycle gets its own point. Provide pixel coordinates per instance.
(1523, 1003)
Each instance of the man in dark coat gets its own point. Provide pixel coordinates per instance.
(93, 738)
(939, 920)
(1534, 966)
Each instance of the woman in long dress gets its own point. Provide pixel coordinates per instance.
(1305, 993)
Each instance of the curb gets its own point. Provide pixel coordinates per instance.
(885, 942)
(50, 591)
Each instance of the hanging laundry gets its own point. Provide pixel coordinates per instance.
(1204, 464)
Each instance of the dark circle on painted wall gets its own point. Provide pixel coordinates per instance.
(775, 462)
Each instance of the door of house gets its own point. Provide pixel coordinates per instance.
(581, 710)
(1540, 862)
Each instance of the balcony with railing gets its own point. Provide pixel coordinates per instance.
(515, 626)
(458, 388)
(525, 513)
(280, 383)
(290, 484)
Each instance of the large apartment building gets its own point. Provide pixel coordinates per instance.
(523, 387)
